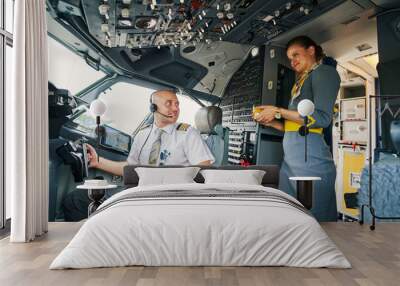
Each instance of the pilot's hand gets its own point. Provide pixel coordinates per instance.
(266, 115)
(92, 156)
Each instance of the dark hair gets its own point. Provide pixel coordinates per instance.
(307, 42)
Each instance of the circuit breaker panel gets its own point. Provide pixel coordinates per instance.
(242, 93)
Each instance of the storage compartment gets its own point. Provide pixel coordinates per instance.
(353, 109)
(353, 91)
(349, 177)
(355, 131)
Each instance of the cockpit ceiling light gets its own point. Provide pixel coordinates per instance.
(255, 51)
(103, 9)
(146, 23)
(268, 18)
(125, 13)
(126, 2)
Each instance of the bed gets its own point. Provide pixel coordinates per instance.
(197, 224)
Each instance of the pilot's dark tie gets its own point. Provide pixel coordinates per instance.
(155, 148)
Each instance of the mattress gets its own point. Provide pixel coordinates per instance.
(201, 225)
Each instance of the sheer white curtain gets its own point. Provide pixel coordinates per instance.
(27, 123)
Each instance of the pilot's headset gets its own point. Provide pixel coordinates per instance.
(153, 106)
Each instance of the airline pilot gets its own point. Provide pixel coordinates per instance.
(165, 142)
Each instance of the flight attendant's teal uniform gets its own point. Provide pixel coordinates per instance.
(320, 85)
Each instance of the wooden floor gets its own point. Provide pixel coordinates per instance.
(374, 255)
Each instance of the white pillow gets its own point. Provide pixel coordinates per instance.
(164, 176)
(248, 177)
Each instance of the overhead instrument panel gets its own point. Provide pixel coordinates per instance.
(157, 23)
(159, 40)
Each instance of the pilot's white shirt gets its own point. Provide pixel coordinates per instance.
(178, 147)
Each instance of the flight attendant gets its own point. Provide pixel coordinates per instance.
(319, 83)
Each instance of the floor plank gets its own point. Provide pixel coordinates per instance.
(374, 255)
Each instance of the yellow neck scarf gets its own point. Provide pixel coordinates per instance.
(300, 81)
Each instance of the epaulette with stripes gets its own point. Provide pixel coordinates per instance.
(183, 127)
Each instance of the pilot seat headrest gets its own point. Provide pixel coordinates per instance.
(207, 118)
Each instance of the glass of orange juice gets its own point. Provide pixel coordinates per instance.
(256, 110)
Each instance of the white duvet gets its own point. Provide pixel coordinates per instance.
(200, 231)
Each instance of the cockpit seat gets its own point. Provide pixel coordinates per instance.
(208, 121)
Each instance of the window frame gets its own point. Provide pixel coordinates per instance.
(6, 39)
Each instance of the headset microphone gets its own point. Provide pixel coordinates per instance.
(168, 116)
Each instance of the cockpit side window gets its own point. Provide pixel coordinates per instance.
(127, 105)
(188, 109)
(69, 71)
